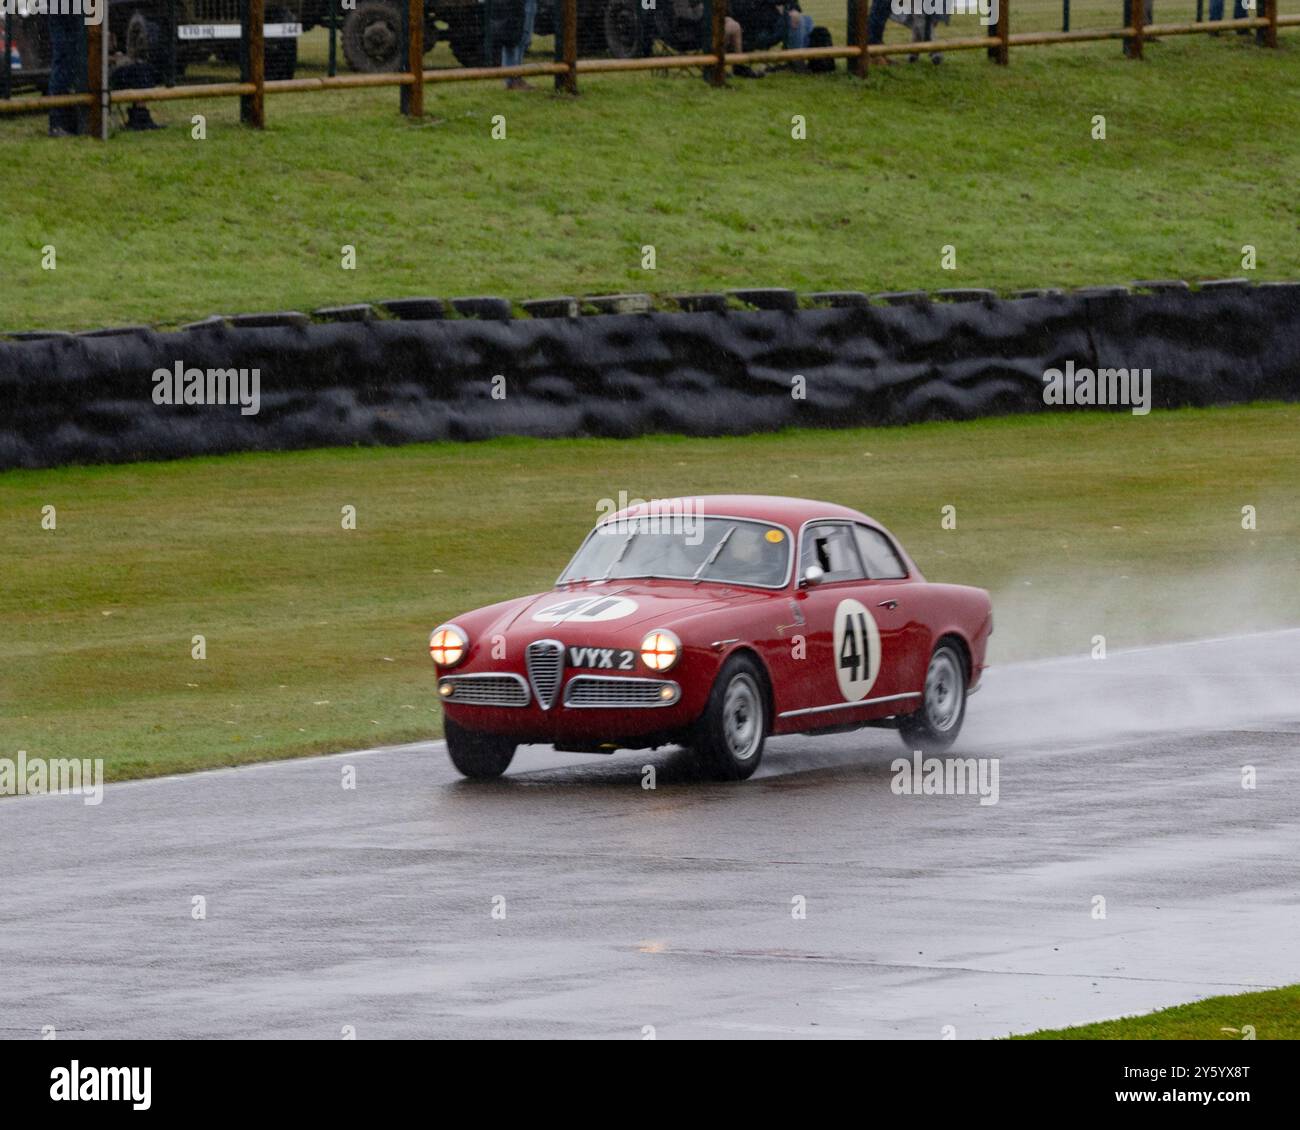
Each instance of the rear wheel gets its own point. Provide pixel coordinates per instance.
(934, 727)
(372, 37)
(465, 31)
(477, 756)
(281, 55)
(144, 39)
(729, 736)
(624, 35)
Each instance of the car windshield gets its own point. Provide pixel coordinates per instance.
(734, 550)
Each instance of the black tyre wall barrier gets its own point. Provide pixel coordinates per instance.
(90, 398)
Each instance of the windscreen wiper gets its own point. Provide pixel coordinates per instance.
(622, 549)
(713, 554)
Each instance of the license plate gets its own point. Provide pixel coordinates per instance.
(233, 31)
(602, 658)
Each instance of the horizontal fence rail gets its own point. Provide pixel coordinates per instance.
(254, 86)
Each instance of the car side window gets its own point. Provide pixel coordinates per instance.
(830, 546)
(878, 555)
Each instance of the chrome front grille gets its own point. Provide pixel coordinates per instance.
(611, 691)
(486, 690)
(545, 660)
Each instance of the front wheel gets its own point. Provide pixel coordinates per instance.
(280, 55)
(465, 34)
(478, 756)
(729, 736)
(372, 37)
(934, 727)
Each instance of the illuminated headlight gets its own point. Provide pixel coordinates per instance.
(446, 689)
(447, 645)
(660, 649)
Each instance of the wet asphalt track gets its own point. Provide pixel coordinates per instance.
(672, 908)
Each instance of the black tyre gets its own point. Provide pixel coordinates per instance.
(465, 31)
(729, 737)
(372, 37)
(478, 756)
(625, 36)
(547, 19)
(144, 40)
(591, 27)
(934, 727)
(280, 55)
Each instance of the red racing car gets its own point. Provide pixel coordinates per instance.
(712, 623)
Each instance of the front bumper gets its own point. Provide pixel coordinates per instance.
(503, 689)
(587, 708)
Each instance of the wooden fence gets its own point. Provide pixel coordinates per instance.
(253, 89)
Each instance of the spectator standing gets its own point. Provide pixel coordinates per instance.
(67, 70)
(515, 34)
(877, 18)
(1238, 13)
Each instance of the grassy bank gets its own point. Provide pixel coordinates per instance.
(999, 163)
(315, 635)
(1273, 1015)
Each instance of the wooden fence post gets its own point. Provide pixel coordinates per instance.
(719, 39)
(566, 47)
(1139, 26)
(1270, 14)
(1003, 56)
(412, 97)
(94, 77)
(252, 107)
(857, 25)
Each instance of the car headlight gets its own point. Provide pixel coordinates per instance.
(660, 649)
(447, 645)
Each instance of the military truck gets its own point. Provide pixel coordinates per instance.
(146, 31)
(180, 33)
(372, 33)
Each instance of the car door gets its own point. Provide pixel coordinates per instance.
(894, 598)
(848, 655)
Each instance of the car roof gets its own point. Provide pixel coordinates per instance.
(791, 512)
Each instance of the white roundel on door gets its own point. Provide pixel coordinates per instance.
(586, 610)
(857, 650)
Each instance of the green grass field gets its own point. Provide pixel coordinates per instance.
(1273, 1014)
(315, 635)
(997, 162)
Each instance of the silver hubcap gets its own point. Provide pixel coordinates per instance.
(742, 722)
(943, 690)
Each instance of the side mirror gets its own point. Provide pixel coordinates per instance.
(812, 576)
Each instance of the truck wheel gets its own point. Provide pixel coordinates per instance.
(934, 727)
(372, 37)
(281, 55)
(623, 31)
(144, 39)
(478, 756)
(547, 18)
(591, 28)
(465, 31)
(729, 736)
